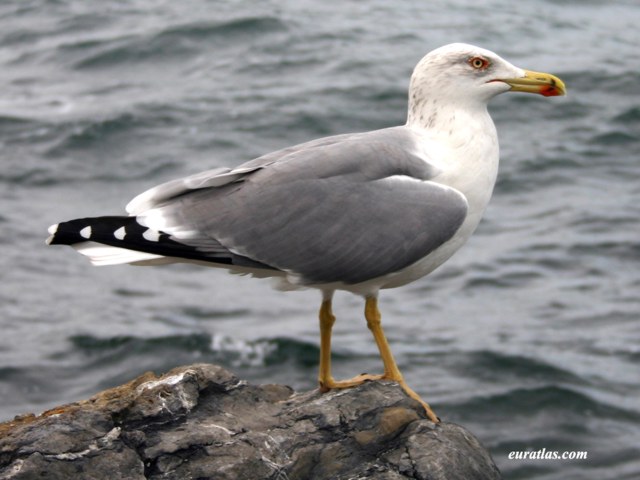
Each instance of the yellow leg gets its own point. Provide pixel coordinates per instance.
(327, 319)
(325, 379)
(391, 371)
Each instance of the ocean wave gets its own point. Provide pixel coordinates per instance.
(210, 314)
(10, 124)
(551, 399)
(69, 171)
(92, 346)
(505, 278)
(173, 42)
(623, 83)
(93, 133)
(205, 347)
(502, 367)
(246, 26)
(616, 137)
(631, 115)
(111, 131)
(628, 250)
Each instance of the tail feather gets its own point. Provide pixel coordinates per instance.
(100, 255)
(116, 239)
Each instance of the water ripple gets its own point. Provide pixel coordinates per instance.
(171, 43)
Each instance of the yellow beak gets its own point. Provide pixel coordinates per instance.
(537, 82)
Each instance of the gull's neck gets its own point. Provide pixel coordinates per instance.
(456, 135)
(442, 115)
(460, 138)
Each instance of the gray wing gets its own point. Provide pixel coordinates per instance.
(348, 208)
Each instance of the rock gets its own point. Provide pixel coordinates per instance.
(202, 422)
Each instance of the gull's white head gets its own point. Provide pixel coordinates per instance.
(466, 75)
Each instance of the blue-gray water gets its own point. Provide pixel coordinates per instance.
(529, 336)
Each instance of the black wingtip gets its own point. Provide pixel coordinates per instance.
(128, 233)
(70, 233)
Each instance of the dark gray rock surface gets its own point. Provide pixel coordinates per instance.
(202, 422)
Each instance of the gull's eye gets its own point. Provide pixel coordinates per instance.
(479, 63)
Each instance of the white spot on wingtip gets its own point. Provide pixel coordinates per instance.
(151, 235)
(53, 229)
(120, 233)
(86, 232)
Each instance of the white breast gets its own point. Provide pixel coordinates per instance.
(467, 154)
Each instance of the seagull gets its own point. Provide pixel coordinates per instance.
(358, 212)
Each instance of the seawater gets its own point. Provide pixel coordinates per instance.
(528, 336)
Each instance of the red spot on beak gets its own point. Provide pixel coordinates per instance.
(550, 91)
